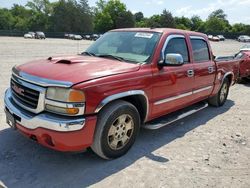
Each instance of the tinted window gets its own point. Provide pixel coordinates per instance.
(239, 55)
(200, 50)
(178, 46)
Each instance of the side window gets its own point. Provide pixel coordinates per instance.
(179, 46)
(200, 50)
(239, 55)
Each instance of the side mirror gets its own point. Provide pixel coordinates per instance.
(172, 60)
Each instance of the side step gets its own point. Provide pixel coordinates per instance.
(175, 116)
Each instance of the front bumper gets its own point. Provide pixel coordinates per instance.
(54, 131)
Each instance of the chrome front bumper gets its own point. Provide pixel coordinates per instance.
(42, 120)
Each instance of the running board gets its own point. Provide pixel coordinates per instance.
(175, 116)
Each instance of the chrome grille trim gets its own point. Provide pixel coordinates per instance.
(24, 102)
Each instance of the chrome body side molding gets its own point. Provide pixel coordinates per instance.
(202, 89)
(173, 98)
(182, 95)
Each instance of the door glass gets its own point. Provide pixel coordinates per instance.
(178, 46)
(200, 50)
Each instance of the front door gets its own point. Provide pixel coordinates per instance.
(172, 86)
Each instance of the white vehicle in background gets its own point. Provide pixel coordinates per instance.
(29, 35)
(77, 37)
(244, 38)
(210, 37)
(221, 37)
(71, 36)
(245, 48)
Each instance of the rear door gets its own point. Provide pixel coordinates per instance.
(204, 68)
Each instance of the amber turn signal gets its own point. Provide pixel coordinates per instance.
(60, 110)
(76, 96)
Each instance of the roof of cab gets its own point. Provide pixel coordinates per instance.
(162, 30)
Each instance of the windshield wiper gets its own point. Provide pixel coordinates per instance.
(111, 56)
(88, 53)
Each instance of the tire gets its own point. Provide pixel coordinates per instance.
(246, 79)
(117, 127)
(221, 97)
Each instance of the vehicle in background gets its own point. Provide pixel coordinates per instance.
(29, 35)
(244, 65)
(77, 37)
(213, 38)
(210, 37)
(86, 37)
(221, 37)
(66, 35)
(71, 36)
(243, 56)
(40, 35)
(244, 38)
(245, 47)
(94, 37)
(128, 79)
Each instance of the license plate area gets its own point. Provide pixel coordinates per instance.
(10, 119)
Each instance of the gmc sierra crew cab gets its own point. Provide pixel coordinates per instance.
(127, 79)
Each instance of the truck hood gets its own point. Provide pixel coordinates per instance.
(76, 69)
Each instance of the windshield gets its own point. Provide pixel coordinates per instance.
(246, 46)
(245, 36)
(136, 47)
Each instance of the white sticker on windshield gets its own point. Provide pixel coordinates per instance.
(144, 35)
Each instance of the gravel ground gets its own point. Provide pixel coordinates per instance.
(208, 149)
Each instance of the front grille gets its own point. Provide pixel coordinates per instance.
(24, 95)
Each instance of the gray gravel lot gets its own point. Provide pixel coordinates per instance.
(208, 149)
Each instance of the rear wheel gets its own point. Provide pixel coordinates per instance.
(117, 127)
(220, 98)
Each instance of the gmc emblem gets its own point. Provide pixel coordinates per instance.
(18, 89)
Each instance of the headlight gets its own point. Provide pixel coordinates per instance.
(65, 95)
(62, 110)
(65, 101)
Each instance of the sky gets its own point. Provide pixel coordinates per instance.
(238, 11)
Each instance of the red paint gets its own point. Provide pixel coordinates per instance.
(64, 141)
(101, 77)
(245, 65)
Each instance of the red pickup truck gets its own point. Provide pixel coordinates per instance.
(244, 63)
(127, 79)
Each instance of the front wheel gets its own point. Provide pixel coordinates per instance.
(117, 127)
(220, 98)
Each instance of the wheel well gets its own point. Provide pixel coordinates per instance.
(139, 101)
(230, 78)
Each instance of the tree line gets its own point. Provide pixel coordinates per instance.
(78, 16)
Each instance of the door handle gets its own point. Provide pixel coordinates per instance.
(190, 73)
(210, 69)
